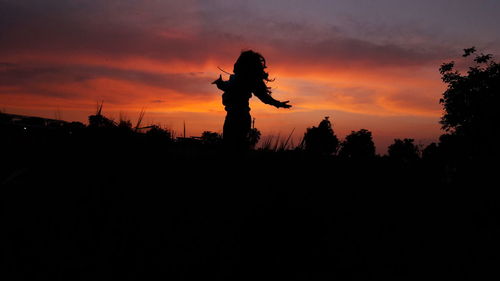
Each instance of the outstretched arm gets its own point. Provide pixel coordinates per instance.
(221, 84)
(265, 97)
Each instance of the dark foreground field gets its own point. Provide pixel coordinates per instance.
(101, 209)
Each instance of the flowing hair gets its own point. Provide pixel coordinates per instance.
(250, 67)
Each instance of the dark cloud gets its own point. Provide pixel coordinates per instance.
(34, 79)
(157, 101)
(102, 30)
(339, 52)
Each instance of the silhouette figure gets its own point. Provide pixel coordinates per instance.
(249, 77)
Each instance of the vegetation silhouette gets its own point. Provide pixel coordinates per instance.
(470, 104)
(253, 137)
(110, 200)
(358, 145)
(321, 139)
(249, 77)
(211, 138)
(100, 121)
(469, 146)
(404, 151)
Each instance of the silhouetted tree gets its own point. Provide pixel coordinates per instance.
(211, 138)
(321, 139)
(471, 104)
(358, 145)
(403, 151)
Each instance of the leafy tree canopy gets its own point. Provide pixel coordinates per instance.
(471, 100)
(358, 145)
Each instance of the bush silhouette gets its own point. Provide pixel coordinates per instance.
(100, 121)
(403, 151)
(321, 139)
(157, 133)
(125, 125)
(211, 138)
(358, 145)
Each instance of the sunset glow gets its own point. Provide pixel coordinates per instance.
(363, 68)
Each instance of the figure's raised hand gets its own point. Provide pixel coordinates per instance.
(284, 104)
(218, 80)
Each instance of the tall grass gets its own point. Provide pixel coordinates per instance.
(277, 143)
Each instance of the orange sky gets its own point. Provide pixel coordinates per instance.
(59, 59)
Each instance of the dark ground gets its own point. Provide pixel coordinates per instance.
(105, 209)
